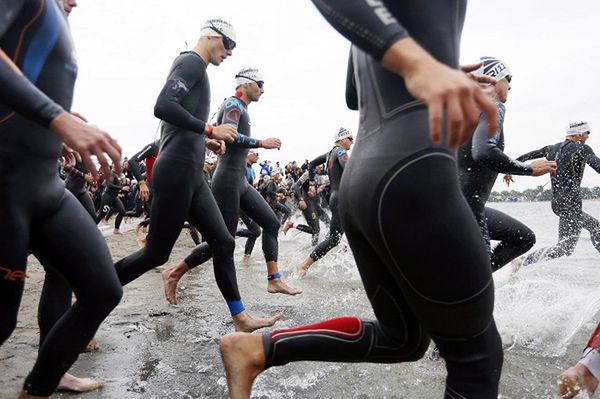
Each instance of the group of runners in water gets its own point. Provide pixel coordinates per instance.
(421, 116)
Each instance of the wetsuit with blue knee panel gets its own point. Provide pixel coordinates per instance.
(335, 160)
(232, 190)
(571, 158)
(180, 192)
(37, 75)
(399, 197)
(479, 162)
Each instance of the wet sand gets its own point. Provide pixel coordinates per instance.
(149, 349)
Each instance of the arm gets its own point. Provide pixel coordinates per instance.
(486, 151)
(18, 93)
(541, 153)
(169, 105)
(134, 161)
(351, 92)
(312, 165)
(342, 156)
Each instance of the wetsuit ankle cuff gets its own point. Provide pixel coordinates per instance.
(274, 276)
(235, 307)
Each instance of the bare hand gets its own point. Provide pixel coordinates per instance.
(88, 140)
(482, 79)
(224, 132)
(302, 205)
(78, 115)
(508, 179)
(441, 87)
(271, 142)
(216, 146)
(541, 167)
(143, 190)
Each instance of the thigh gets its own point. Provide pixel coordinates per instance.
(227, 198)
(255, 206)
(503, 227)
(206, 216)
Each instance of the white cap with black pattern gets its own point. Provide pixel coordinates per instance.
(494, 68)
(248, 75)
(341, 133)
(577, 128)
(212, 27)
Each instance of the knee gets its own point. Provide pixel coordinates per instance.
(106, 300)
(223, 246)
(528, 239)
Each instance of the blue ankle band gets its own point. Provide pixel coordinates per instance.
(235, 307)
(274, 276)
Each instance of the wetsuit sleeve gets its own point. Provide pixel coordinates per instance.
(169, 105)
(231, 116)
(312, 165)
(485, 149)
(371, 27)
(297, 187)
(342, 156)
(18, 93)
(134, 162)
(541, 153)
(351, 92)
(591, 158)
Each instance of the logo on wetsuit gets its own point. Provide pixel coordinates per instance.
(382, 12)
(12, 275)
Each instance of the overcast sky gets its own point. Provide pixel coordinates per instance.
(125, 49)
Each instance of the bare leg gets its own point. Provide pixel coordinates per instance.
(287, 226)
(247, 323)
(244, 359)
(277, 285)
(171, 277)
(246, 260)
(303, 267)
(92, 346)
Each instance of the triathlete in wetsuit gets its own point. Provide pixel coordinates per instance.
(335, 160)
(75, 183)
(479, 162)
(399, 196)
(148, 154)
(273, 194)
(179, 188)
(232, 191)
(37, 75)
(110, 199)
(571, 156)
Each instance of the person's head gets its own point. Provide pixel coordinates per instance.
(250, 83)
(217, 40)
(578, 131)
(69, 5)
(276, 176)
(343, 138)
(210, 162)
(252, 157)
(319, 169)
(499, 70)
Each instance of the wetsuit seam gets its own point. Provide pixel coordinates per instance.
(383, 236)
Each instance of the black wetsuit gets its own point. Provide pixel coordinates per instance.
(305, 190)
(233, 192)
(415, 240)
(479, 162)
(38, 214)
(110, 199)
(335, 160)
(252, 230)
(150, 151)
(180, 192)
(571, 158)
(270, 194)
(75, 183)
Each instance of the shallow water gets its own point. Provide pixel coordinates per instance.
(149, 349)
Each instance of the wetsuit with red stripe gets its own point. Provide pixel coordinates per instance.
(41, 215)
(419, 251)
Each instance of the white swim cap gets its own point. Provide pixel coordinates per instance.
(341, 133)
(248, 75)
(216, 27)
(494, 68)
(577, 128)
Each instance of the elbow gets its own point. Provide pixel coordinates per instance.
(160, 110)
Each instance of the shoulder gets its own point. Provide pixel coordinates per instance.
(233, 102)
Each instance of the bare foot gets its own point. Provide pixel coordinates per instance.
(71, 383)
(141, 242)
(246, 260)
(92, 346)
(171, 277)
(515, 265)
(117, 232)
(25, 395)
(287, 226)
(137, 228)
(574, 379)
(278, 286)
(244, 359)
(245, 322)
